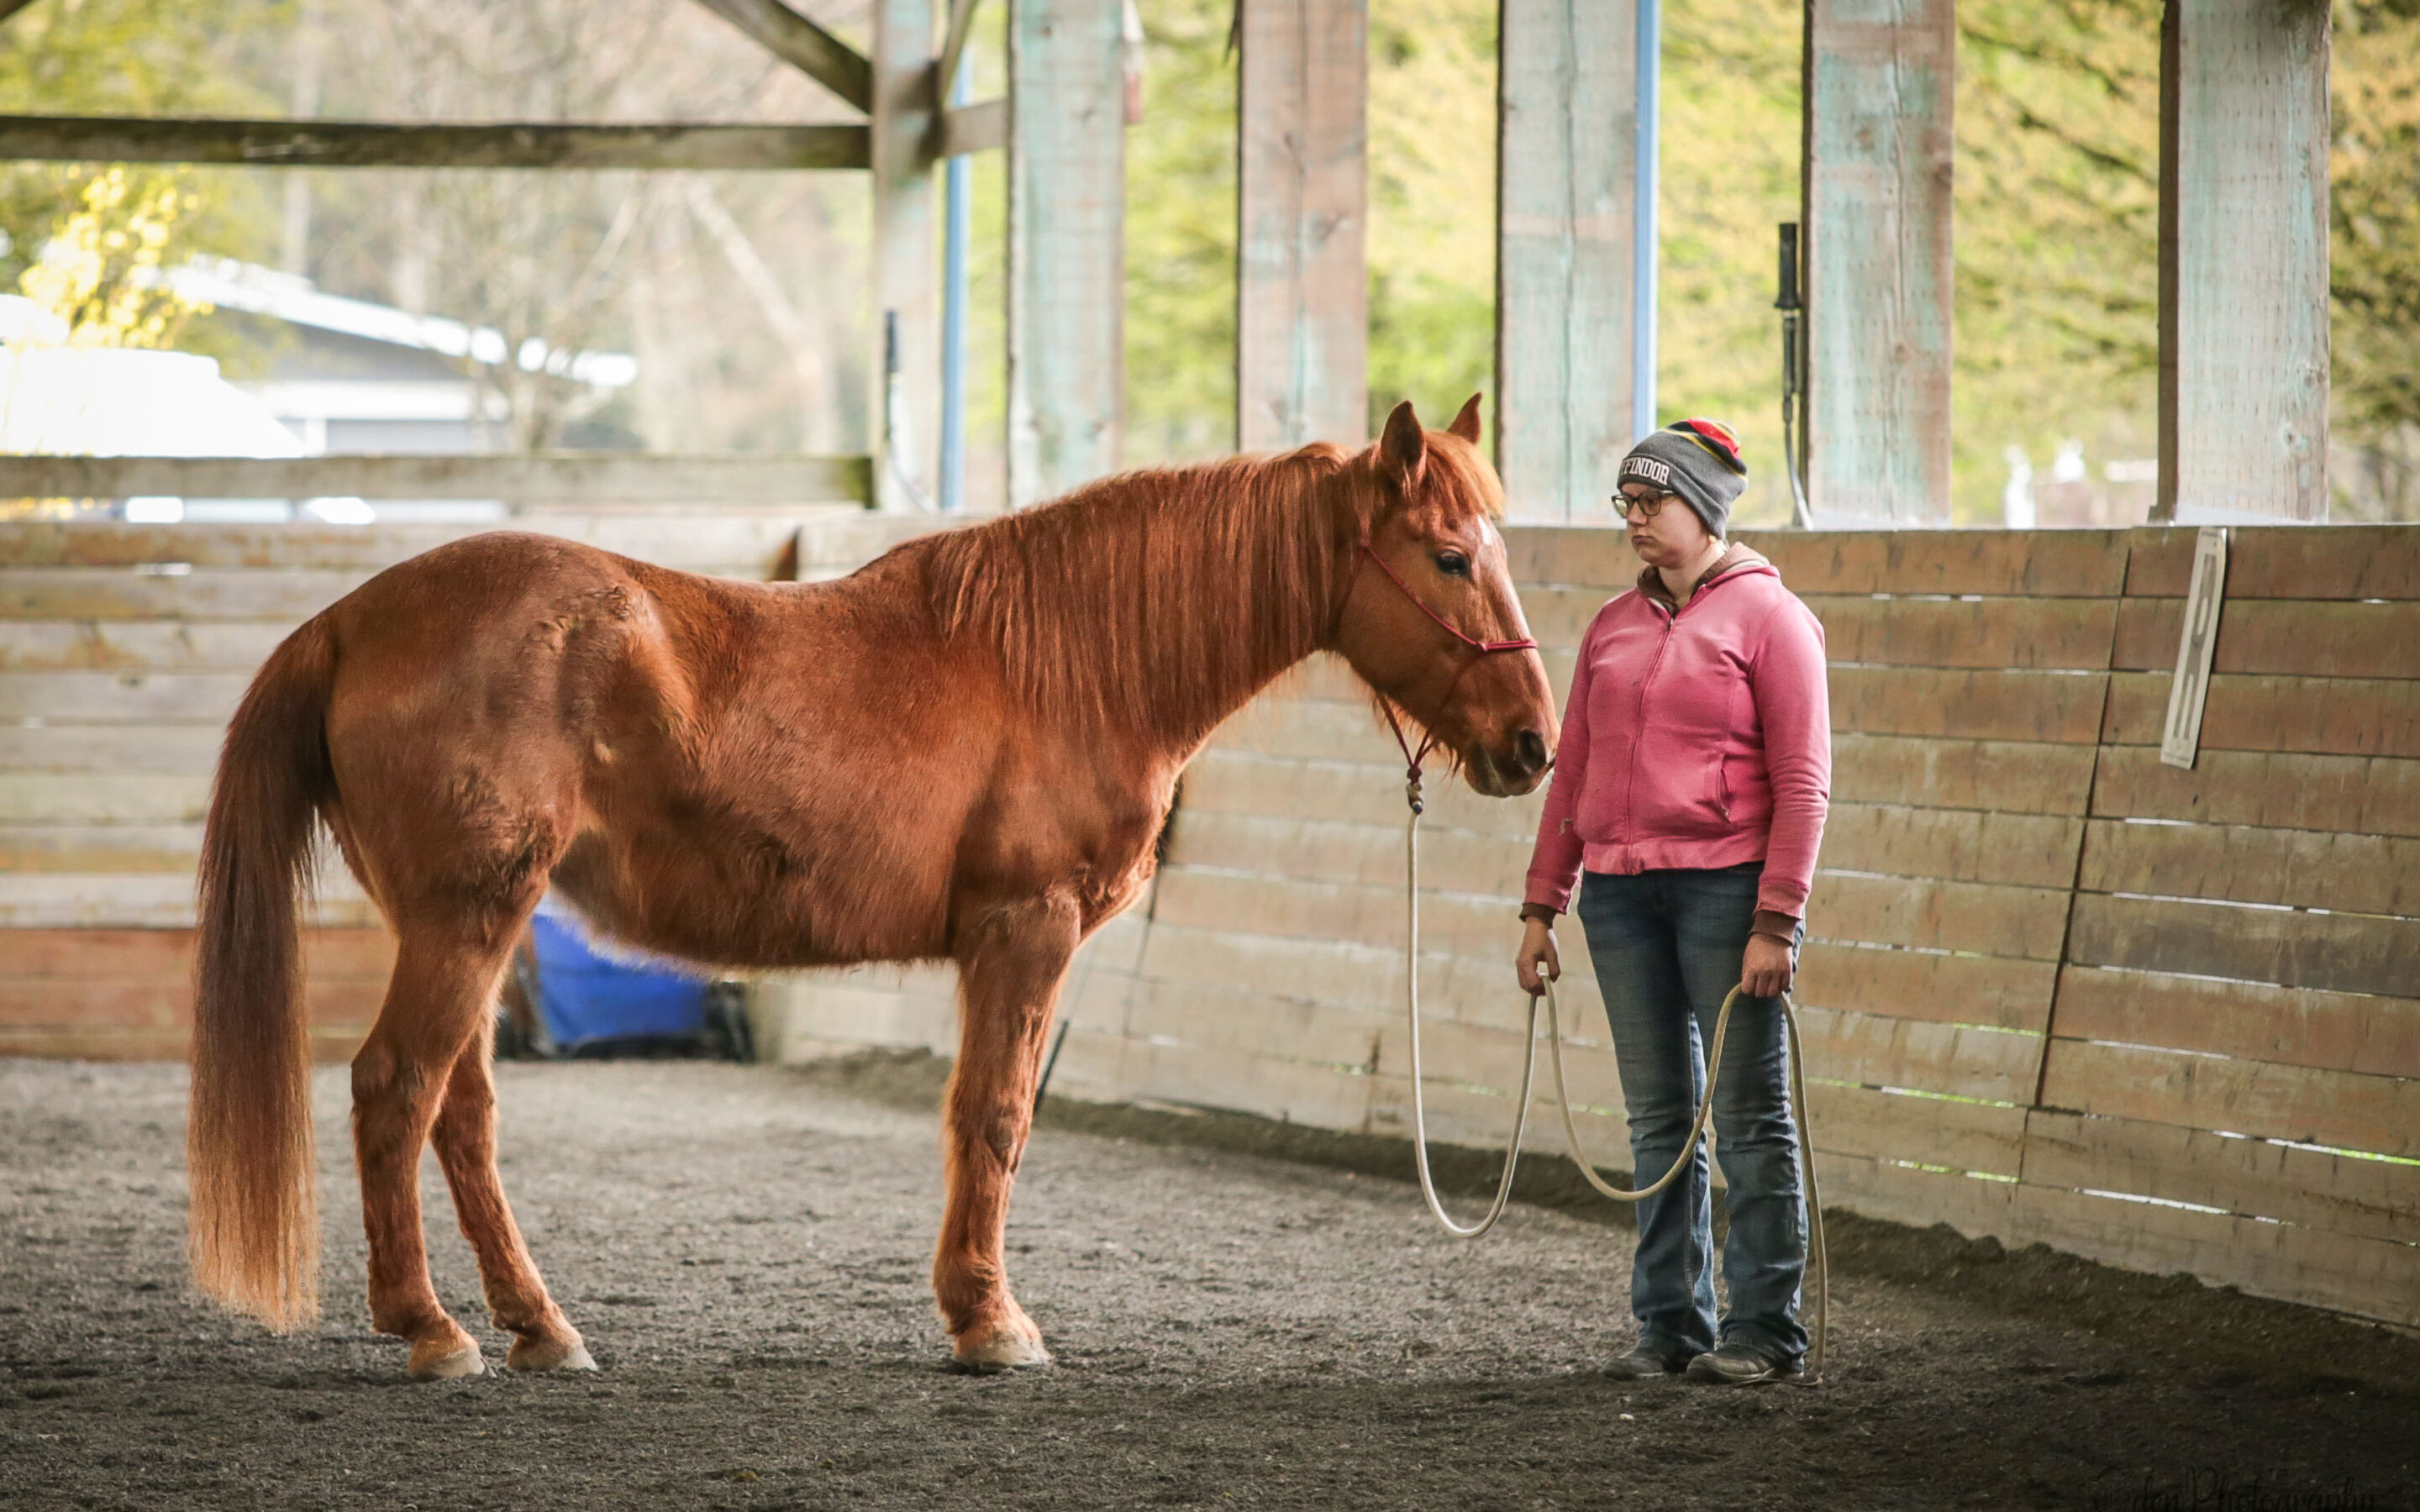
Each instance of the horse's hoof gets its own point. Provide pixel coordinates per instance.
(445, 1359)
(548, 1354)
(1004, 1347)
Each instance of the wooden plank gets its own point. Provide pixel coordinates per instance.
(2323, 638)
(1964, 845)
(112, 594)
(2027, 564)
(1066, 244)
(1368, 854)
(804, 45)
(1878, 1125)
(137, 954)
(1302, 281)
(1999, 776)
(1226, 781)
(1578, 555)
(528, 477)
(1995, 633)
(977, 127)
(109, 750)
(1566, 151)
(2284, 562)
(2343, 1110)
(1960, 1060)
(2299, 868)
(27, 848)
(2249, 1021)
(2249, 284)
(161, 1003)
(1934, 986)
(2343, 1194)
(1878, 88)
(2368, 794)
(122, 698)
(730, 545)
(129, 900)
(319, 144)
(136, 646)
(105, 798)
(2335, 953)
(1906, 1194)
(1982, 919)
(331, 1045)
(1369, 979)
(2323, 716)
(1283, 908)
(1981, 705)
(2367, 1277)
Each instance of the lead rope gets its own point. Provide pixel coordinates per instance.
(1819, 1260)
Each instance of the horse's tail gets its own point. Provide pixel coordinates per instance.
(254, 1226)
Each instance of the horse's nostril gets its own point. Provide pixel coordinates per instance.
(1532, 749)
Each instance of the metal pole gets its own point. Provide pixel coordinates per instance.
(1642, 258)
(959, 211)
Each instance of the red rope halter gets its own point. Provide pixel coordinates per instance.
(1412, 759)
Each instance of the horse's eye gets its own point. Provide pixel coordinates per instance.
(1454, 563)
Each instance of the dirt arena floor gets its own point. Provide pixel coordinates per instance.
(746, 1249)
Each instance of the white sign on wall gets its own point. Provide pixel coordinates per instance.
(2181, 741)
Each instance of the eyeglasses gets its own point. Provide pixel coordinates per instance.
(1648, 504)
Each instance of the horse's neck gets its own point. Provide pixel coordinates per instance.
(1246, 606)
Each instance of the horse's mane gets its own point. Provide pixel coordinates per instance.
(1161, 599)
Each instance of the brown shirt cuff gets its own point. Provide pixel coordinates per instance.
(1540, 912)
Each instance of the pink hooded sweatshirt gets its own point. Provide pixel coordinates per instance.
(1698, 739)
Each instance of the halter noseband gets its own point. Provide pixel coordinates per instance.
(1412, 759)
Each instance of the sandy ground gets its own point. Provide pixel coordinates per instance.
(746, 1249)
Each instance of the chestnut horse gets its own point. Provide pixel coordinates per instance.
(963, 753)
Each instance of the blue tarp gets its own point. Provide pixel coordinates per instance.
(590, 990)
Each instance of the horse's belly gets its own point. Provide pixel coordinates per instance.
(750, 909)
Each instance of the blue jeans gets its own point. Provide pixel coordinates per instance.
(1667, 946)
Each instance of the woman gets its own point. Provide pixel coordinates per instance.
(1691, 782)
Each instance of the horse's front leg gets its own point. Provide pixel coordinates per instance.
(1009, 968)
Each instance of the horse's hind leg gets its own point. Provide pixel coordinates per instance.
(436, 1005)
(1009, 973)
(465, 1137)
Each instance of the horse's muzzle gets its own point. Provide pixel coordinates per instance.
(1510, 773)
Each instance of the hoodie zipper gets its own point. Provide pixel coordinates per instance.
(1638, 722)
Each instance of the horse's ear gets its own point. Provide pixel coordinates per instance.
(1403, 445)
(1465, 425)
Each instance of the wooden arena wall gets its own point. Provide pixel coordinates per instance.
(123, 650)
(2052, 990)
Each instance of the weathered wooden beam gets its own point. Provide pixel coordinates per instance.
(1567, 113)
(543, 477)
(368, 145)
(1302, 318)
(2243, 256)
(977, 127)
(1066, 246)
(906, 399)
(954, 41)
(804, 45)
(1879, 77)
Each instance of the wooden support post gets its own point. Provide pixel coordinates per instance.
(1879, 76)
(906, 414)
(1066, 248)
(1566, 168)
(2243, 261)
(1302, 306)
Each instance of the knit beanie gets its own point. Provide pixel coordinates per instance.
(1698, 459)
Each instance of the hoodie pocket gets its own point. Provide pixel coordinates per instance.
(1718, 787)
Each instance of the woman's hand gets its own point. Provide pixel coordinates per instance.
(1537, 956)
(1765, 971)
